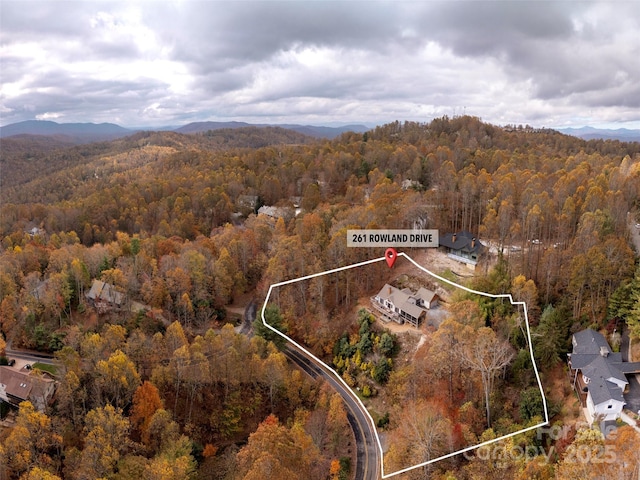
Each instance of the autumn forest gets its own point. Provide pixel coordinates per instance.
(166, 378)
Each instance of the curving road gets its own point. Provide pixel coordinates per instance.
(367, 453)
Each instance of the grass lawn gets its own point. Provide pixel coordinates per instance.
(46, 367)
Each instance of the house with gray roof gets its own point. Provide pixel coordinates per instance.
(599, 375)
(104, 296)
(404, 306)
(462, 246)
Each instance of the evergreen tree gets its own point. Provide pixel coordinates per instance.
(273, 317)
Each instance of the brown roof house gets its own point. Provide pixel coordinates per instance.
(104, 296)
(17, 386)
(403, 305)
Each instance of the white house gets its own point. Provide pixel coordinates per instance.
(599, 375)
(605, 389)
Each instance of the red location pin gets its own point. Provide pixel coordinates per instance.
(390, 256)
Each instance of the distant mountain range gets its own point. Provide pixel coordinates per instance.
(590, 133)
(92, 132)
(73, 132)
(311, 130)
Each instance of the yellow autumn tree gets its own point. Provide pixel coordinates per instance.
(37, 473)
(31, 441)
(585, 458)
(174, 462)
(117, 379)
(106, 440)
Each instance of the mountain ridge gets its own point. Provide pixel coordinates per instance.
(318, 131)
(591, 133)
(90, 132)
(78, 132)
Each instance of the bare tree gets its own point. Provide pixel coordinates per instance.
(424, 433)
(488, 355)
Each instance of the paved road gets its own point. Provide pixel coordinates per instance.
(367, 453)
(632, 397)
(249, 317)
(635, 233)
(28, 355)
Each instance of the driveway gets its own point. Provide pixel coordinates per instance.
(632, 397)
(634, 232)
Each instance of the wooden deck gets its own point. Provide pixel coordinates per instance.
(386, 315)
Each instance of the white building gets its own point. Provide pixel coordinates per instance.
(599, 375)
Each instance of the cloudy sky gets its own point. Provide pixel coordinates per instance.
(152, 63)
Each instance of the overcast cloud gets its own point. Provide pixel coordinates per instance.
(153, 63)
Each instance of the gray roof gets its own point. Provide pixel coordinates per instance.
(587, 346)
(104, 291)
(463, 241)
(401, 299)
(414, 310)
(589, 341)
(395, 296)
(602, 391)
(601, 367)
(593, 356)
(629, 367)
(426, 295)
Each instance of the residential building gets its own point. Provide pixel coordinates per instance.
(248, 201)
(17, 386)
(104, 296)
(403, 306)
(599, 376)
(35, 232)
(463, 247)
(276, 212)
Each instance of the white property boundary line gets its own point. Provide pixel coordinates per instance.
(338, 377)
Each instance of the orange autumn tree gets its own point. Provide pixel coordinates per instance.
(146, 401)
(275, 451)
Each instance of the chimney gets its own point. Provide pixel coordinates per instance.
(453, 238)
(604, 351)
(389, 289)
(473, 242)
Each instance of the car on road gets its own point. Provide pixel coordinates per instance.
(637, 225)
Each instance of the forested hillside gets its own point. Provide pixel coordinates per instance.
(159, 388)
